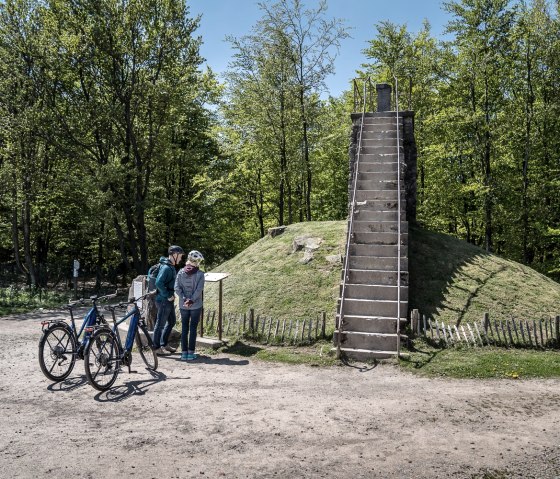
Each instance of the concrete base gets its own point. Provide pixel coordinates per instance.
(175, 339)
(209, 343)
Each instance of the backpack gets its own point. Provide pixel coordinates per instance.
(152, 276)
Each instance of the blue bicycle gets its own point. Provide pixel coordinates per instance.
(61, 343)
(105, 352)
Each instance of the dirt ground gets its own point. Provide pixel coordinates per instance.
(231, 417)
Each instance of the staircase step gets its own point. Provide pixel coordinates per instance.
(380, 142)
(368, 341)
(369, 324)
(380, 134)
(371, 276)
(361, 214)
(377, 263)
(377, 176)
(368, 307)
(381, 150)
(366, 354)
(366, 195)
(373, 291)
(378, 238)
(378, 184)
(379, 226)
(377, 250)
(378, 205)
(368, 164)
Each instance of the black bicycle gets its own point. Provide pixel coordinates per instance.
(61, 343)
(105, 354)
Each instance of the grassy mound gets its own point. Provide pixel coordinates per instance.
(454, 281)
(449, 279)
(270, 276)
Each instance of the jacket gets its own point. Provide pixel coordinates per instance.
(190, 287)
(165, 280)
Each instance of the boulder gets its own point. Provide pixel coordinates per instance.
(272, 232)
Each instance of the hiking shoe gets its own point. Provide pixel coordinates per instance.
(192, 357)
(184, 356)
(162, 352)
(171, 349)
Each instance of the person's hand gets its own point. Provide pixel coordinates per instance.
(172, 298)
(188, 302)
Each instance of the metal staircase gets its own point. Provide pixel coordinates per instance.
(373, 300)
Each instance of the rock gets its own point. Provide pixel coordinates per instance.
(334, 259)
(272, 232)
(307, 242)
(307, 257)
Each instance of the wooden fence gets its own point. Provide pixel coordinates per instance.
(537, 333)
(266, 330)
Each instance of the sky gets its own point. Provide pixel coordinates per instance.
(221, 18)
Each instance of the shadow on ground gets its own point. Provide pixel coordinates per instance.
(133, 388)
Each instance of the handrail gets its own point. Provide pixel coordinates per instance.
(367, 99)
(398, 220)
(351, 225)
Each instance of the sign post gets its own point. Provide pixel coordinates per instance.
(216, 278)
(75, 277)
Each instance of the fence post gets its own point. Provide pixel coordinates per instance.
(324, 324)
(252, 320)
(557, 330)
(414, 320)
(486, 323)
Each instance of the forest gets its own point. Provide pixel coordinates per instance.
(116, 142)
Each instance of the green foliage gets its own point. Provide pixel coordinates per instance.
(486, 123)
(107, 153)
(481, 363)
(18, 300)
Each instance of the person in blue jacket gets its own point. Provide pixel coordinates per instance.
(189, 286)
(165, 300)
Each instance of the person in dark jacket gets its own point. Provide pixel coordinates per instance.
(165, 300)
(189, 286)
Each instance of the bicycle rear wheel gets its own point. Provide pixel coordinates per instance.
(146, 348)
(101, 359)
(57, 350)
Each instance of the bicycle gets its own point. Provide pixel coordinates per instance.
(60, 344)
(105, 353)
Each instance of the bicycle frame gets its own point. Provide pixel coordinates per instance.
(132, 328)
(90, 320)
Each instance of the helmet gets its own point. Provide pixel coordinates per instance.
(174, 249)
(195, 257)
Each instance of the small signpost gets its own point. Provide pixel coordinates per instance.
(75, 277)
(216, 278)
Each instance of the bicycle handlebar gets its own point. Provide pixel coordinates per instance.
(107, 296)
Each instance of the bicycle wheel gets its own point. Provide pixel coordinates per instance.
(57, 350)
(101, 359)
(146, 348)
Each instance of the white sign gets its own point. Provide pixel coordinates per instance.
(213, 277)
(138, 293)
(76, 268)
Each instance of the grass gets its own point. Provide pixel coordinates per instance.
(484, 363)
(454, 281)
(15, 300)
(315, 355)
(270, 277)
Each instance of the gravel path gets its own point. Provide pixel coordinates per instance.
(227, 416)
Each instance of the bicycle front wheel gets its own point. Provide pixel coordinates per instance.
(101, 359)
(57, 350)
(146, 348)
